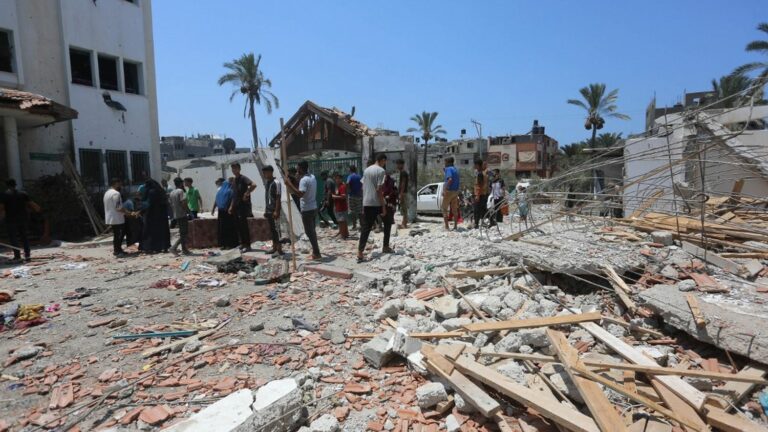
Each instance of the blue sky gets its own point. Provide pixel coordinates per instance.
(503, 63)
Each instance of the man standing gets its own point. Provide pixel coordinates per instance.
(272, 193)
(373, 204)
(180, 210)
(307, 193)
(498, 191)
(15, 204)
(355, 194)
(219, 181)
(450, 205)
(340, 206)
(194, 201)
(114, 215)
(329, 188)
(241, 206)
(403, 192)
(294, 180)
(481, 192)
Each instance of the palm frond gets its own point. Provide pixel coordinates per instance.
(749, 67)
(759, 46)
(577, 103)
(763, 27)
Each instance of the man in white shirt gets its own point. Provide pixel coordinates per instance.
(373, 201)
(114, 215)
(307, 193)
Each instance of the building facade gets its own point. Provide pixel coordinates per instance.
(96, 57)
(201, 145)
(525, 155)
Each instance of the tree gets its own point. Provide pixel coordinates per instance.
(732, 90)
(760, 47)
(598, 106)
(427, 128)
(245, 75)
(605, 140)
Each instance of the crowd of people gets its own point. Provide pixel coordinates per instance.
(368, 200)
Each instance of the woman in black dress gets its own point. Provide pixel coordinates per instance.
(156, 235)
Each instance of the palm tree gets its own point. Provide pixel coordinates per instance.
(761, 47)
(245, 75)
(598, 106)
(428, 130)
(605, 140)
(728, 88)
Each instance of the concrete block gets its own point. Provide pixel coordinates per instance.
(451, 424)
(378, 351)
(326, 423)
(330, 271)
(277, 407)
(390, 309)
(446, 307)
(431, 394)
(224, 415)
(455, 323)
(413, 306)
(663, 237)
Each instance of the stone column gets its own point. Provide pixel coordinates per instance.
(12, 152)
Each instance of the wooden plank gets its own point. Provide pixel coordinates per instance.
(686, 391)
(629, 381)
(601, 408)
(712, 258)
(621, 288)
(648, 202)
(437, 359)
(720, 419)
(451, 351)
(693, 304)
(637, 398)
(533, 322)
(551, 409)
(678, 405)
(735, 391)
(468, 390)
(651, 370)
(480, 273)
(181, 342)
(634, 328)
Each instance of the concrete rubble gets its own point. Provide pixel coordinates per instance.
(393, 347)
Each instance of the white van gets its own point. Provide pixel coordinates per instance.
(429, 198)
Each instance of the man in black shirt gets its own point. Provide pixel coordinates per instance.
(15, 205)
(403, 191)
(241, 206)
(272, 207)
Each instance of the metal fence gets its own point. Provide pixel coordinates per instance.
(340, 165)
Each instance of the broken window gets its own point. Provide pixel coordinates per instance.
(6, 51)
(117, 165)
(132, 76)
(108, 72)
(80, 66)
(140, 166)
(90, 167)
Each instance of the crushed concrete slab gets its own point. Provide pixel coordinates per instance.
(378, 351)
(733, 320)
(330, 271)
(446, 307)
(223, 416)
(325, 423)
(430, 394)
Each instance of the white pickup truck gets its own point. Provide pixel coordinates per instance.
(429, 198)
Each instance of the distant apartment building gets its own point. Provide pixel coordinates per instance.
(202, 145)
(525, 155)
(97, 58)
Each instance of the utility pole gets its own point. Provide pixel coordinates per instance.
(478, 127)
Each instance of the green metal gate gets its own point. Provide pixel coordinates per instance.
(340, 165)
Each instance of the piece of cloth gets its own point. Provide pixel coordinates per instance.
(340, 204)
(183, 224)
(355, 185)
(448, 197)
(452, 173)
(113, 204)
(308, 185)
(118, 233)
(17, 236)
(224, 196)
(15, 203)
(373, 179)
(272, 192)
(227, 230)
(193, 199)
(177, 199)
(156, 235)
(480, 209)
(308, 220)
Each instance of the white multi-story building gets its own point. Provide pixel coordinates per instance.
(97, 57)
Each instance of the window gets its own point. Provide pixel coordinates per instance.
(6, 51)
(140, 166)
(80, 65)
(107, 72)
(90, 167)
(470, 145)
(132, 76)
(465, 161)
(117, 165)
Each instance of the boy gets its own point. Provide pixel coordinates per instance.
(272, 193)
(194, 201)
(340, 206)
(179, 210)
